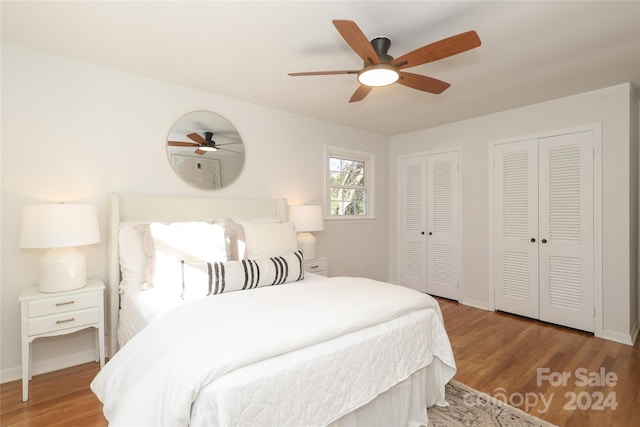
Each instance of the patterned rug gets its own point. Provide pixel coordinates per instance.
(471, 408)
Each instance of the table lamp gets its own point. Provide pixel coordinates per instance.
(59, 228)
(307, 218)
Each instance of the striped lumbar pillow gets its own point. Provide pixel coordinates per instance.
(200, 279)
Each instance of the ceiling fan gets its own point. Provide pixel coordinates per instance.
(203, 145)
(381, 69)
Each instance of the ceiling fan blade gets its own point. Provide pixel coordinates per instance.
(323, 73)
(355, 38)
(231, 151)
(197, 138)
(424, 83)
(228, 143)
(360, 93)
(182, 144)
(439, 50)
(200, 152)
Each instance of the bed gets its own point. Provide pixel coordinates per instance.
(212, 351)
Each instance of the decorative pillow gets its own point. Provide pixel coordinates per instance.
(269, 240)
(167, 245)
(132, 257)
(237, 248)
(201, 279)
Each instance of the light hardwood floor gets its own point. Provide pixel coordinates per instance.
(496, 353)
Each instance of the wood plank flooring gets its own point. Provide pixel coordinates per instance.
(60, 398)
(500, 354)
(496, 353)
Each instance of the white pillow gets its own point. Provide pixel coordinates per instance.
(167, 245)
(204, 279)
(237, 248)
(269, 240)
(133, 259)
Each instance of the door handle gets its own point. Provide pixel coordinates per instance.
(422, 232)
(430, 233)
(533, 240)
(544, 240)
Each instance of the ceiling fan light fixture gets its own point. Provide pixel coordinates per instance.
(378, 75)
(208, 148)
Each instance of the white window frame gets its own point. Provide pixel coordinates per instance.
(369, 174)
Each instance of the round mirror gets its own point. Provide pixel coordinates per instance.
(205, 150)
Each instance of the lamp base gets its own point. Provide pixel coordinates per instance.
(62, 269)
(307, 243)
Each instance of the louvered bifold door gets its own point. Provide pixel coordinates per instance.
(413, 219)
(566, 230)
(515, 269)
(442, 225)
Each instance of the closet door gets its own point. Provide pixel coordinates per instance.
(442, 225)
(413, 249)
(429, 252)
(566, 230)
(516, 227)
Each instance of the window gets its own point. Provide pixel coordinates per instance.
(349, 184)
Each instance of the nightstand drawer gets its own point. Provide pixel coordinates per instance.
(316, 266)
(62, 303)
(62, 321)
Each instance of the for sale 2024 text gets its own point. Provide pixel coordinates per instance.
(582, 377)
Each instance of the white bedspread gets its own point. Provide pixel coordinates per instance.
(140, 306)
(155, 378)
(318, 385)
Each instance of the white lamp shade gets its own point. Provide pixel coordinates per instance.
(60, 228)
(307, 217)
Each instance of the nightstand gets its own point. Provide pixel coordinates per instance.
(319, 265)
(61, 313)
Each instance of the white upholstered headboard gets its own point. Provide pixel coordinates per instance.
(123, 208)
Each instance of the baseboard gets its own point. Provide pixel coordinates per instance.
(483, 305)
(628, 339)
(49, 365)
(634, 331)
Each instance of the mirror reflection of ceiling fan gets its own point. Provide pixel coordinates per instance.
(203, 145)
(381, 69)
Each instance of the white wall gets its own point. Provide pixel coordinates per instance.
(74, 131)
(634, 183)
(612, 108)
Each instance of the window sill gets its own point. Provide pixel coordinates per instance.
(350, 219)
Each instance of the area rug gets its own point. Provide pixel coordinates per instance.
(471, 408)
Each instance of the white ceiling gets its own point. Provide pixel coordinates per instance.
(531, 51)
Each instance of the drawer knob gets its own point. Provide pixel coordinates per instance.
(65, 320)
(58, 304)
